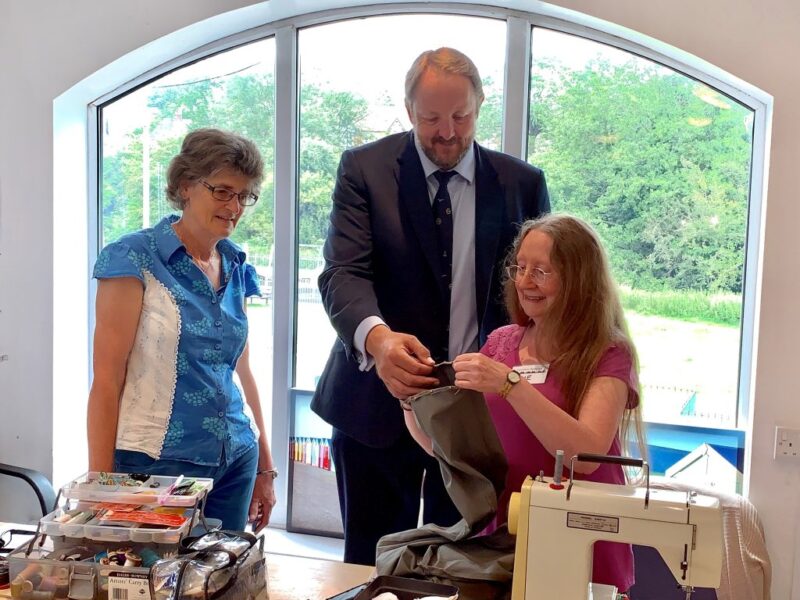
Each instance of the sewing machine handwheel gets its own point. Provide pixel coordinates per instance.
(613, 460)
(513, 512)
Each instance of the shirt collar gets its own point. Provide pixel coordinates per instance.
(167, 242)
(465, 167)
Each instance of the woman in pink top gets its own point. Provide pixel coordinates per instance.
(578, 390)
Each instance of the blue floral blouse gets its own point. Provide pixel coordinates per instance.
(179, 400)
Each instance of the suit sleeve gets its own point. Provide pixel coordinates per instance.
(541, 195)
(346, 282)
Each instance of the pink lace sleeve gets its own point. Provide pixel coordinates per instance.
(502, 342)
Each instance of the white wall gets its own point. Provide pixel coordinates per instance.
(47, 46)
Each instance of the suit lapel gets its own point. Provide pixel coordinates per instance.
(490, 214)
(414, 197)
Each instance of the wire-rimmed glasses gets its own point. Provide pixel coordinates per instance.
(223, 194)
(536, 274)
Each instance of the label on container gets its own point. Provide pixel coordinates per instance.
(128, 586)
(592, 522)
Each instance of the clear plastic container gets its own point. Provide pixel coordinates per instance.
(94, 529)
(154, 490)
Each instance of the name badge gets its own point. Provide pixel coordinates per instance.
(533, 373)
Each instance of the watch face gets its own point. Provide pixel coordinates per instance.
(513, 377)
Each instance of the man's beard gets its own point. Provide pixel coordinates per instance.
(440, 161)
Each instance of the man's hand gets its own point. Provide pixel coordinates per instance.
(401, 361)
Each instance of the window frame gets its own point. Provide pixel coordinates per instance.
(521, 26)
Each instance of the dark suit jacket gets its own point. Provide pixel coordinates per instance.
(381, 259)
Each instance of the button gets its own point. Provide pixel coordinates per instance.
(447, 211)
(213, 301)
(221, 414)
(217, 346)
(218, 323)
(438, 221)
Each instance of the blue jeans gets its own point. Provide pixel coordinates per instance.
(228, 501)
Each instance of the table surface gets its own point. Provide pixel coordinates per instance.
(294, 577)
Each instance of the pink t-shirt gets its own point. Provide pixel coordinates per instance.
(613, 562)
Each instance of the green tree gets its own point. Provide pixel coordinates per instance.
(661, 173)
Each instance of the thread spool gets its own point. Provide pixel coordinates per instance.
(27, 586)
(149, 557)
(26, 572)
(132, 560)
(16, 588)
(62, 588)
(37, 595)
(48, 584)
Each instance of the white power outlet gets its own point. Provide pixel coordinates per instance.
(787, 442)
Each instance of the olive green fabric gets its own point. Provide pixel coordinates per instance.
(474, 469)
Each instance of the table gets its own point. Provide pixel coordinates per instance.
(295, 577)
(298, 578)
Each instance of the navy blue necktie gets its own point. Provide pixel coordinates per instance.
(443, 220)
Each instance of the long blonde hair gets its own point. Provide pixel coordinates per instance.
(584, 319)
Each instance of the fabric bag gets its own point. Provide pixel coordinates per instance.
(219, 564)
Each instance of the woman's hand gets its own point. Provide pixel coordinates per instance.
(262, 501)
(478, 372)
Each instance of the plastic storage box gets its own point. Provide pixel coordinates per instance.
(39, 571)
(153, 490)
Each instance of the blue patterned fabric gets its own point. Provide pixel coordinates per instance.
(180, 401)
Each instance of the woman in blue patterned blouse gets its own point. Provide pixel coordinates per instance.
(170, 331)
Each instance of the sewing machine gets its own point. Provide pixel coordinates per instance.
(556, 525)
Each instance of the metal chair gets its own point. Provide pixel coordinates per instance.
(41, 485)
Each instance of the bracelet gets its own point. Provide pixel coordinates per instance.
(272, 472)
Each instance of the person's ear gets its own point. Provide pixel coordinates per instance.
(183, 189)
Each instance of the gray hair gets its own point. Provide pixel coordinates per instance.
(205, 152)
(447, 60)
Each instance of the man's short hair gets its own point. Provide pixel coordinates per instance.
(447, 60)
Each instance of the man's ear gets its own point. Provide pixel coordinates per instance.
(410, 112)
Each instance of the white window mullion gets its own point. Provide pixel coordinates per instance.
(285, 218)
(517, 78)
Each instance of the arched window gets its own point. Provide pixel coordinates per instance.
(658, 155)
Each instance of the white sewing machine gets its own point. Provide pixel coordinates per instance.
(556, 526)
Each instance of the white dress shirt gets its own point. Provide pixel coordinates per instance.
(463, 327)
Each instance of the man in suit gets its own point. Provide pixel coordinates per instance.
(419, 226)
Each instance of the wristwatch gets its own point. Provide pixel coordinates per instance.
(512, 379)
(271, 472)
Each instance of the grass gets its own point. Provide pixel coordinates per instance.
(719, 309)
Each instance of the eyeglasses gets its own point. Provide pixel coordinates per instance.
(224, 194)
(535, 274)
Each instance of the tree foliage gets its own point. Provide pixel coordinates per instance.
(657, 162)
(661, 172)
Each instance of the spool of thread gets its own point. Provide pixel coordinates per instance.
(559, 467)
(16, 588)
(62, 588)
(62, 573)
(132, 560)
(149, 557)
(26, 572)
(47, 584)
(27, 586)
(38, 595)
